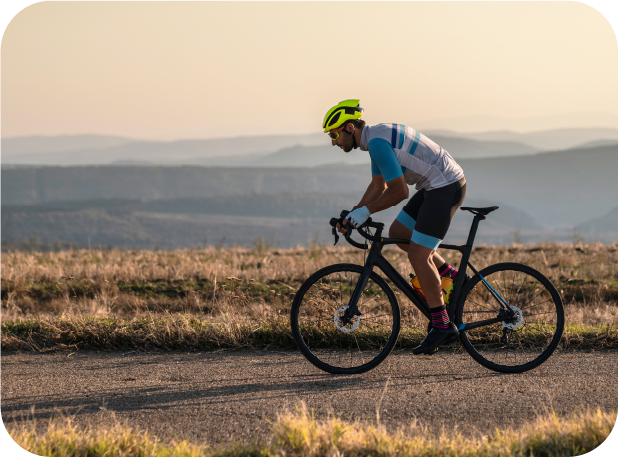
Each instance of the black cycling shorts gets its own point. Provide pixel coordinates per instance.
(429, 213)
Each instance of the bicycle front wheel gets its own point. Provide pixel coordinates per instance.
(524, 338)
(325, 340)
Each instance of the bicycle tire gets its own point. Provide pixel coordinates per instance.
(538, 322)
(316, 330)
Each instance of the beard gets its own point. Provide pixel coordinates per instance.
(348, 145)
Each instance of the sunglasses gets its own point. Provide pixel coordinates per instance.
(334, 134)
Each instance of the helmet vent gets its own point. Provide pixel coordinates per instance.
(335, 118)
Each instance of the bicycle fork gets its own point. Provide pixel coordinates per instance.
(358, 290)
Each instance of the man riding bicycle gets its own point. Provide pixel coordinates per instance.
(402, 156)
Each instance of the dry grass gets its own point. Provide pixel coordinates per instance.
(301, 435)
(179, 331)
(175, 331)
(203, 298)
(122, 281)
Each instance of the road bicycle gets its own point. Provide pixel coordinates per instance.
(345, 318)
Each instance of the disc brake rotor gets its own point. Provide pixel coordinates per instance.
(519, 319)
(350, 326)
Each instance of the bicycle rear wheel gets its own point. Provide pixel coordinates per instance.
(523, 340)
(325, 340)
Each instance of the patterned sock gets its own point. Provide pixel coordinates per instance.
(439, 318)
(446, 269)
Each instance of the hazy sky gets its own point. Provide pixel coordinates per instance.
(179, 70)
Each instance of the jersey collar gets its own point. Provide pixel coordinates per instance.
(363, 146)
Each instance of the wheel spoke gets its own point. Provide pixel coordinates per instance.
(375, 317)
(485, 307)
(525, 306)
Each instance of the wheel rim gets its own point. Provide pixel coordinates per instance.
(533, 328)
(336, 344)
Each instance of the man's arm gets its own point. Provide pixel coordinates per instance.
(388, 194)
(384, 162)
(396, 191)
(375, 189)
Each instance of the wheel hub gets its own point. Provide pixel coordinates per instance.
(516, 321)
(341, 324)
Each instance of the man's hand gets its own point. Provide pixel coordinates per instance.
(341, 228)
(359, 216)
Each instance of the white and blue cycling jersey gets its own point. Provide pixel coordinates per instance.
(397, 150)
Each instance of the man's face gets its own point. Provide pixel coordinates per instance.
(345, 140)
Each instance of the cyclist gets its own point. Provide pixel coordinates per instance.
(401, 156)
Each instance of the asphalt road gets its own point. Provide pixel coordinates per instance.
(225, 396)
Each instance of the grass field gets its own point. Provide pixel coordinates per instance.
(301, 435)
(236, 297)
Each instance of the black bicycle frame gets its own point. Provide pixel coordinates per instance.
(376, 259)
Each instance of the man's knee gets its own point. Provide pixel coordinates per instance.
(419, 253)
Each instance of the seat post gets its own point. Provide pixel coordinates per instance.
(475, 226)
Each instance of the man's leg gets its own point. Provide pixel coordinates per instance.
(431, 224)
(422, 260)
(398, 230)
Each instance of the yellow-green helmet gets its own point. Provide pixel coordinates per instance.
(346, 110)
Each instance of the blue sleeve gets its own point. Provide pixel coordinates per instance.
(383, 156)
(375, 170)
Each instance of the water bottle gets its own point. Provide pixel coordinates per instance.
(446, 286)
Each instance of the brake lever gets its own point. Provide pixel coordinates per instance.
(348, 232)
(333, 224)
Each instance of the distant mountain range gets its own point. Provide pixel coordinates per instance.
(275, 150)
(547, 140)
(97, 150)
(311, 156)
(594, 144)
(288, 219)
(27, 145)
(125, 192)
(556, 189)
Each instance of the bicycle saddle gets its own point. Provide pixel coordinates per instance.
(483, 211)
